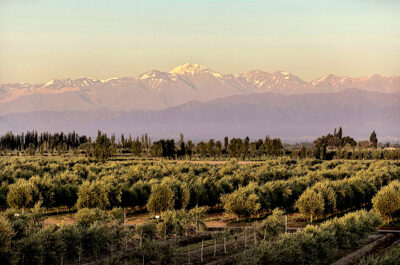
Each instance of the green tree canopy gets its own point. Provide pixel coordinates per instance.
(373, 140)
(93, 195)
(161, 198)
(6, 235)
(273, 225)
(103, 148)
(22, 194)
(387, 200)
(311, 204)
(242, 203)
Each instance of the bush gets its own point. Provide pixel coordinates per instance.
(161, 198)
(387, 200)
(6, 235)
(22, 194)
(242, 202)
(158, 252)
(86, 217)
(273, 225)
(311, 204)
(147, 230)
(391, 257)
(93, 195)
(315, 245)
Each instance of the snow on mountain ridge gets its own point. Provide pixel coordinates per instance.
(279, 81)
(192, 69)
(69, 82)
(156, 89)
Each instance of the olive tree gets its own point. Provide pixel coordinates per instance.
(180, 190)
(86, 217)
(6, 235)
(387, 200)
(161, 198)
(22, 194)
(273, 225)
(310, 204)
(242, 203)
(93, 195)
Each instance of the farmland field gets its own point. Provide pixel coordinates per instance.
(68, 210)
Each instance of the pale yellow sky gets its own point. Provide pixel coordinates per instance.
(41, 40)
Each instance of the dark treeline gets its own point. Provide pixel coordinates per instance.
(44, 141)
(326, 147)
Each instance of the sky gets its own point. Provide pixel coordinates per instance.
(45, 39)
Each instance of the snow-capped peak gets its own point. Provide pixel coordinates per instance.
(69, 82)
(49, 83)
(109, 79)
(151, 74)
(193, 69)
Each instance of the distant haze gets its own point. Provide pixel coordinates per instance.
(202, 103)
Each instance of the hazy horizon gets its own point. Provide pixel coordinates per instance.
(193, 63)
(44, 40)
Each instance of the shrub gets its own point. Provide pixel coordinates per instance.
(147, 230)
(391, 257)
(273, 225)
(387, 200)
(93, 195)
(315, 245)
(86, 217)
(161, 198)
(311, 204)
(6, 235)
(241, 203)
(22, 194)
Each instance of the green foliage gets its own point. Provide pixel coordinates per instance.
(273, 225)
(196, 214)
(242, 203)
(316, 245)
(86, 217)
(180, 190)
(169, 224)
(328, 194)
(157, 252)
(279, 182)
(117, 215)
(6, 235)
(70, 237)
(387, 200)
(23, 240)
(161, 198)
(373, 139)
(326, 147)
(102, 148)
(93, 195)
(311, 204)
(22, 194)
(147, 230)
(176, 190)
(391, 257)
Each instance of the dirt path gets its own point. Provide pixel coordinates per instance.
(56, 221)
(354, 257)
(136, 219)
(217, 162)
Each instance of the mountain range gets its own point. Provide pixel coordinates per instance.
(201, 103)
(156, 90)
(292, 117)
